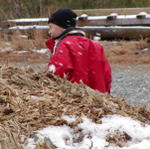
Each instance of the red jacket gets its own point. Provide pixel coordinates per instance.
(81, 60)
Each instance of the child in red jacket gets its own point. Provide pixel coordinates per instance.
(73, 55)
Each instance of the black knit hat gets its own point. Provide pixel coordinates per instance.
(63, 17)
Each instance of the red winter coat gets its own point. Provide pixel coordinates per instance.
(82, 60)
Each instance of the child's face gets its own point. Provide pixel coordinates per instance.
(55, 30)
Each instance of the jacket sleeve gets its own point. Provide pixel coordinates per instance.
(61, 63)
(50, 44)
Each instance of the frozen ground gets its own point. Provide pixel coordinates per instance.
(132, 84)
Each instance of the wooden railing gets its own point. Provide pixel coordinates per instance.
(105, 12)
(126, 26)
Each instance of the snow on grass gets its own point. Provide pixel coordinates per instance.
(69, 119)
(29, 20)
(23, 36)
(41, 51)
(6, 49)
(28, 27)
(92, 135)
(20, 52)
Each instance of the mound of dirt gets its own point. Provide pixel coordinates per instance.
(30, 101)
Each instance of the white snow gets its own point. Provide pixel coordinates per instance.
(82, 17)
(143, 13)
(145, 49)
(29, 20)
(41, 51)
(85, 27)
(92, 135)
(118, 17)
(113, 14)
(59, 135)
(29, 27)
(24, 36)
(20, 52)
(116, 27)
(96, 38)
(68, 118)
(6, 49)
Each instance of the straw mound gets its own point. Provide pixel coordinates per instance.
(30, 101)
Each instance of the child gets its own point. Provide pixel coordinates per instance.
(73, 55)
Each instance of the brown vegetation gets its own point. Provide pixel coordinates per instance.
(30, 101)
(128, 53)
(118, 52)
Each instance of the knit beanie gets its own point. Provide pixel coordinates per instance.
(63, 17)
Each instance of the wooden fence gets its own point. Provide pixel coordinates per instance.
(126, 26)
(105, 12)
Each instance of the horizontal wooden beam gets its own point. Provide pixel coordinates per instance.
(110, 32)
(24, 21)
(118, 32)
(141, 19)
(114, 19)
(120, 11)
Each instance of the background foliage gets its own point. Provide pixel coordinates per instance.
(41, 8)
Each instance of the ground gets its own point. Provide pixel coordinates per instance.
(127, 58)
(120, 53)
(31, 99)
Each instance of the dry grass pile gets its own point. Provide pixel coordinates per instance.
(30, 101)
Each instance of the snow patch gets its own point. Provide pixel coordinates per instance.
(41, 51)
(69, 119)
(29, 20)
(6, 49)
(96, 38)
(20, 52)
(23, 36)
(92, 135)
(28, 27)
